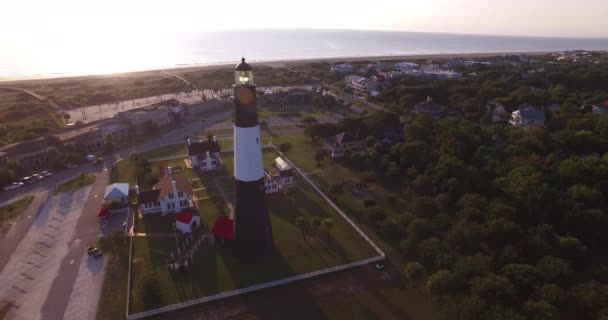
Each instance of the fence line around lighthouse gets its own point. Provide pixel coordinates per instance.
(186, 304)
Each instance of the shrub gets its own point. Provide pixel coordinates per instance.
(369, 202)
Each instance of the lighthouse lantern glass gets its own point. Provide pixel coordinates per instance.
(243, 78)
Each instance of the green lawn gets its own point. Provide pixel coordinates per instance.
(218, 270)
(113, 300)
(80, 181)
(166, 151)
(10, 212)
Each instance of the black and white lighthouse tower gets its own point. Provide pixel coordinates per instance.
(252, 229)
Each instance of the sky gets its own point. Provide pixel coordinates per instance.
(73, 19)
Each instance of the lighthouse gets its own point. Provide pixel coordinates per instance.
(252, 229)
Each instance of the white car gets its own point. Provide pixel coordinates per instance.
(46, 173)
(38, 177)
(12, 186)
(71, 166)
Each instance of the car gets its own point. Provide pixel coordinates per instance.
(94, 251)
(379, 266)
(28, 179)
(12, 186)
(46, 173)
(38, 177)
(97, 161)
(71, 165)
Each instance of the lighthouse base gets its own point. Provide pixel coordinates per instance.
(252, 229)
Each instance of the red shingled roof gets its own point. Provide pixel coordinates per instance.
(103, 212)
(223, 228)
(184, 217)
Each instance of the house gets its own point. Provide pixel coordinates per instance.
(285, 172)
(337, 145)
(170, 194)
(342, 68)
(117, 192)
(223, 230)
(364, 86)
(406, 66)
(499, 113)
(527, 116)
(187, 222)
(429, 108)
(204, 155)
(271, 183)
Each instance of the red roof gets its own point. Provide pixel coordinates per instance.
(184, 217)
(223, 228)
(103, 212)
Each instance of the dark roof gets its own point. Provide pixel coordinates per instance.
(429, 107)
(341, 138)
(148, 196)
(201, 157)
(165, 185)
(532, 114)
(243, 66)
(201, 147)
(286, 173)
(223, 228)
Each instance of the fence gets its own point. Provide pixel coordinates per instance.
(275, 283)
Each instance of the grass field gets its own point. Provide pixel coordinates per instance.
(12, 211)
(113, 300)
(218, 269)
(76, 183)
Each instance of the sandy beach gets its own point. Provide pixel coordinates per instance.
(37, 79)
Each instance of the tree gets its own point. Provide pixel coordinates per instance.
(319, 155)
(554, 269)
(327, 224)
(316, 223)
(290, 193)
(285, 147)
(6, 176)
(69, 147)
(108, 146)
(53, 155)
(494, 289)
(439, 283)
(304, 225)
(413, 272)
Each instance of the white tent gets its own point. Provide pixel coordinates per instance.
(117, 192)
(187, 222)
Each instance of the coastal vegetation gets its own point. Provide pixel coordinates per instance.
(82, 180)
(505, 222)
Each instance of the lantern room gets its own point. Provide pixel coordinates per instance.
(243, 74)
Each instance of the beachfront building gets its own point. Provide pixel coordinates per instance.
(364, 86)
(171, 194)
(343, 68)
(405, 67)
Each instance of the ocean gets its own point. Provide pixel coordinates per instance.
(65, 57)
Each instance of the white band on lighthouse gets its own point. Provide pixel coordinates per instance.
(248, 164)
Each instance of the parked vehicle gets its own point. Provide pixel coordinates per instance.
(97, 161)
(28, 180)
(90, 157)
(12, 186)
(71, 165)
(95, 252)
(38, 177)
(46, 173)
